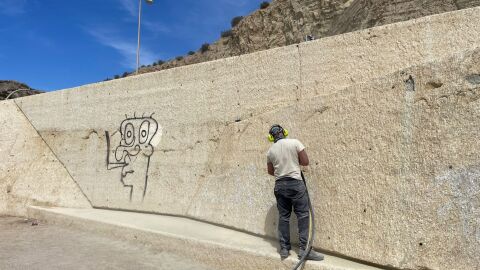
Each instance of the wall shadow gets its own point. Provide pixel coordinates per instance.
(271, 227)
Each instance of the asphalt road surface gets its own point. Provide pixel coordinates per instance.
(45, 246)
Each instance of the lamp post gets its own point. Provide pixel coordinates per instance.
(139, 21)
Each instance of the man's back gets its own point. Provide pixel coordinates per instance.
(284, 157)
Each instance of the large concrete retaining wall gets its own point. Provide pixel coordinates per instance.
(389, 116)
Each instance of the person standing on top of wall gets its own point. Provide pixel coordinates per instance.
(283, 161)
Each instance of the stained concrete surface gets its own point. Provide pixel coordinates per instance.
(47, 246)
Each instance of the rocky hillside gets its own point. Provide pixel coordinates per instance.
(7, 87)
(363, 14)
(286, 22)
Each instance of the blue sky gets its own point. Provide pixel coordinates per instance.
(53, 44)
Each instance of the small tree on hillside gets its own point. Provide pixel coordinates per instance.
(264, 5)
(236, 21)
(226, 33)
(205, 47)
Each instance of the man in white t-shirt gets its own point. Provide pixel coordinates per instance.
(283, 161)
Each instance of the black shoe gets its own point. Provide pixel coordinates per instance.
(313, 255)
(284, 253)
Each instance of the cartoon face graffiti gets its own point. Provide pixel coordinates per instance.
(133, 153)
(136, 136)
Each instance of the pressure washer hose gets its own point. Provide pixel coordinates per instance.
(311, 230)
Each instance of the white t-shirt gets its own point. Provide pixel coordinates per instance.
(284, 156)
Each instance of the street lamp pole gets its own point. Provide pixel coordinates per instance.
(138, 41)
(139, 22)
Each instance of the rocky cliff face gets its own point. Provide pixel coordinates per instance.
(8, 86)
(287, 22)
(363, 14)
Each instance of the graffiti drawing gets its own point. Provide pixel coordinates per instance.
(133, 152)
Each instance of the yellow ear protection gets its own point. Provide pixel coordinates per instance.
(274, 130)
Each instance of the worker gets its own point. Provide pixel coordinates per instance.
(283, 162)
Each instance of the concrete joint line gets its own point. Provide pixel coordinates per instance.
(300, 75)
(53, 153)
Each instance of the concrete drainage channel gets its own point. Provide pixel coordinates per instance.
(211, 245)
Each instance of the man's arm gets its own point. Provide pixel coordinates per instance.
(271, 169)
(303, 158)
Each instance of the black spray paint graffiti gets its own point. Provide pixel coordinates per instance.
(133, 153)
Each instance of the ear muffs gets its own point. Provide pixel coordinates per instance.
(272, 139)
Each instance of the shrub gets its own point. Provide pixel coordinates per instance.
(125, 74)
(154, 64)
(236, 20)
(116, 77)
(159, 62)
(205, 47)
(191, 53)
(178, 58)
(226, 33)
(264, 5)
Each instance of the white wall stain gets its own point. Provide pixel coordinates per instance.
(460, 191)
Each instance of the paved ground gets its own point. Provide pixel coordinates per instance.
(23, 246)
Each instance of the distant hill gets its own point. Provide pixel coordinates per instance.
(8, 86)
(285, 22)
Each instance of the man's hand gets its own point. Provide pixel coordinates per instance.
(271, 169)
(303, 158)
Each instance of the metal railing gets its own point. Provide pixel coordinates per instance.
(16, 91)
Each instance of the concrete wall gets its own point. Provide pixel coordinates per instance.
(395, 161)
(29, 171)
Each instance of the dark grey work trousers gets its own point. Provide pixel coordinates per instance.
(292, 193)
